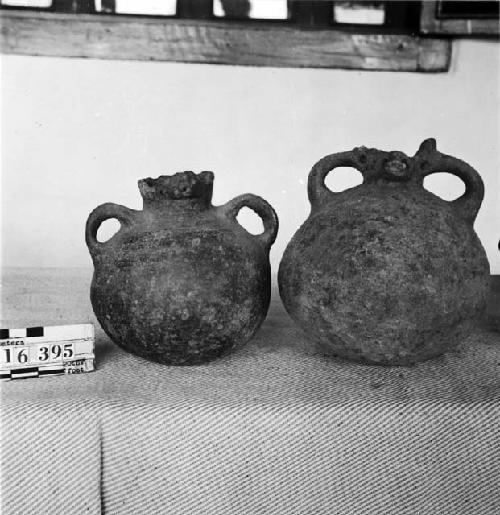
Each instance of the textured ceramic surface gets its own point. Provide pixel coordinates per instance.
(387, 272)
(181, 282)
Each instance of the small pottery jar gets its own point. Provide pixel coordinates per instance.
(387, 272)
(181, 282)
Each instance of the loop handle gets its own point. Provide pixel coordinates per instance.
(99, 215)
(317, 191)
(433, 161)
(262, 208)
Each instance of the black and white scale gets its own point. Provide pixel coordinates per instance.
(43, 351)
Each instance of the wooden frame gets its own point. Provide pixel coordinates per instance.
(222, 42)
(431, 24)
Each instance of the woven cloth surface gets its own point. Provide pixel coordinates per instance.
(271, 429)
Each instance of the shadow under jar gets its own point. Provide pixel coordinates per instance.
(387, 272)
(182, 282)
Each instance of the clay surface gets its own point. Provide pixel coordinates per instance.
(387, 272)
(182, 282)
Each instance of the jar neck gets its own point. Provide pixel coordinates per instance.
(172, 206)
(183, 192)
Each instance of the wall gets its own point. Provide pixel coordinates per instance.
(77, 133)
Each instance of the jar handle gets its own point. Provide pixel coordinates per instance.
(99, 215)
(433, 161)
(262, 208)
(317, 191)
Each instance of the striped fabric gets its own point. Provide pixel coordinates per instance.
(272, 429)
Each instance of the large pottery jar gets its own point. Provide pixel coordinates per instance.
(387, 272)
(181, 282)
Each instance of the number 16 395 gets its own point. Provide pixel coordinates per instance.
(42, 353)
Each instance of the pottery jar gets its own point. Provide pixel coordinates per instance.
(181, 282)
(387, 272)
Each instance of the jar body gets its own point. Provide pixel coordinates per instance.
(183, 288)
(385, 273)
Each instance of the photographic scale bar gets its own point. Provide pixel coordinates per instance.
(53, 333)
(44, 351)
(79, 366)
